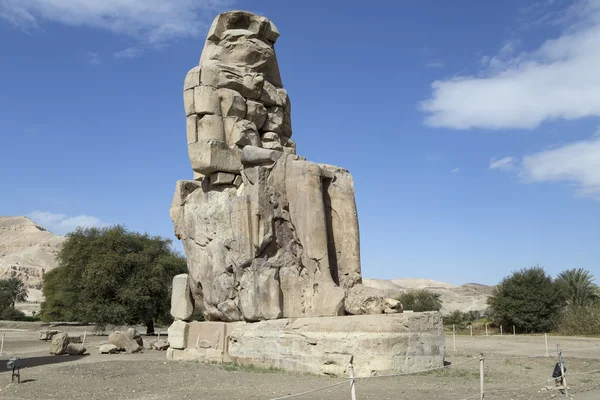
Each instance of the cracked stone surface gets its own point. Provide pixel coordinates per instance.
(267, 233)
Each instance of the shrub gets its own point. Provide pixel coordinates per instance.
(528, 299)
(420, 300)
(10, 314)
(580, 320)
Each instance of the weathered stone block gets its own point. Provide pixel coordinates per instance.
(206, 100)
(376, 344)
(208, 156)
(178, 334)
(182, 305)
(222, 178)
(256, 112)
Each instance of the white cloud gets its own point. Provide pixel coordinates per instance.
(435, 64)
(559, 80)
(506, 163)
(455, 170)
(577, 163)
(151, 21)
(62, 224)
(94, 58)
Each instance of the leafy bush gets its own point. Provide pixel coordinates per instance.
(420, 300)
(461, 319)
(580, 320)
(528, 299)
(10, 314)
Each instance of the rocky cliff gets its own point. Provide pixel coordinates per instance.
(27, 251)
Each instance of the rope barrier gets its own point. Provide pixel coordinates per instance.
(289, 396)
(417, 372)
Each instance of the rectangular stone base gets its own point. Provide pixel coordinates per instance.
(375, 344)
(204, 341)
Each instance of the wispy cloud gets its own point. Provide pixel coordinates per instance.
(93, 58)
(62, 224)
(506, 163)
(150, 21)
(559, 80)
(435, 64)
(131, 52)
(455, 170)
(576, 163)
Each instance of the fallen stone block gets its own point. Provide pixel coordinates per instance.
(60, 341)
(160, 345)
(108, 349)
(75, 349)
(124, 341)
(48, 334)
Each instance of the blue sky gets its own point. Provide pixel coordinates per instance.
(471, 128)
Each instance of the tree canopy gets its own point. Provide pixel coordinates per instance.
(578, 287)
(112, 276)
(12, 290)
(529, 299)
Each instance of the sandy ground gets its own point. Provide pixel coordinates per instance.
(150, 376)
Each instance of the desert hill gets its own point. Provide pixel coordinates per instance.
(27, 251)
(467, 297)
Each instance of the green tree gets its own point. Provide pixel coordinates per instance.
(528, 299)
(578, 287)
(112, 276)
(420, 300)
(14, 289)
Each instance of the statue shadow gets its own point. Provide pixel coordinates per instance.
(38, 361)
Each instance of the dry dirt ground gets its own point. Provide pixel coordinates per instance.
(149, 376)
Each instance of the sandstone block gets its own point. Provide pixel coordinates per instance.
(160, 345)
(221, 178)
(376, 344)
(75, 349)
(48, 334)
(206, 100)
(241, 132)
(274, 122)
(124, 341)
(272, 96)
(367, 300)
(192, 79)
(182, 305)
(188, 102)
(178, 334)
(191, 126)
(271, 141)
(210, 127)
(219, 75)
(149, 343)
(233, 104)
(59, 345)
(256, 113)
(108, 349)
(208, 156)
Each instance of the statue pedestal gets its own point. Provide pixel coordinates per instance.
(374, 344)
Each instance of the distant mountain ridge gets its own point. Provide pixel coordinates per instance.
(467, 297)
(27, 251)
